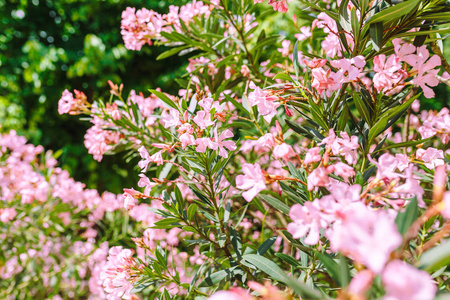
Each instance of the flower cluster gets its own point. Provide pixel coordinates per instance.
(336, 195)
(58, 243)
(141, 26)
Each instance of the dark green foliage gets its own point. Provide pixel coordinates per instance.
(48, 46)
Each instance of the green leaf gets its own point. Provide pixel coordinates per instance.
(343, 119)
(217, 277)
(333, 268)
(376, 35)
(236, 242)
(140, 287)
(345, 271)
(275, 203)
(295, 60)
(283, 76)
(424, 32)
(317, 115)
(394, 12)
(266, 245)
(166, 223)
(289, 259)
(235, 103)
(404, 144)
(405, 219)
(266, 265)
(164, 99)
(440, 16)
(304, 290)
(191, 211)
(171, 52)
(363, 108)
(436, 257)
(389, 118)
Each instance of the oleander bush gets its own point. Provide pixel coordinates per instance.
(284, 168)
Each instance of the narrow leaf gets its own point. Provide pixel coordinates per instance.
(275, 203)
(405, 219)
(394, 12)
(266, 245)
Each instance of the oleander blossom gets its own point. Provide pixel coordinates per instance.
(267, 104)
(98, 141)
(23, 187)
(253, 181)
(389, 75)
(140, 27)
(404, 282)
(70, 105)
(424, 66)
(436, 124)
(367, 236)
(116, 273)
(307, 221)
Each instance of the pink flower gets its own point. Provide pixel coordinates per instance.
(267, 291)
(388, 74)
(307, 218)
(411, 187)
(341, 169)
(426, 74)
(115, 274)
(345, 146)
(221, 144)
(129, 201)
(235, 293)
(139, 28)
(446, 201)
(386, 166)
(368, 236)
(194, 63)
(145, 182)
(245, 71)
(305, 33)
(402, 49)
(143, 164)
(203, 119)
(114, 111)
(157, 158)
(432, 157)
(348, 69)
(318, 177)
(404, 282)
(312, 156)
(7, 214)
(361, 282)
(187, 139)
(437, 124)
(322, 81)
(266, 104)
(285, 48)
(253, 181)
(66, 102)
(279, 5)
(266, 141)
(315, 63)
(208, 104)
(204, 143)
(283, 151)
(171, 118)
(99, 141)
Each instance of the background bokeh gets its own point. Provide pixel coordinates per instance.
(48, 46)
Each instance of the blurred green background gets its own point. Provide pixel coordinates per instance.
(48, 46)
